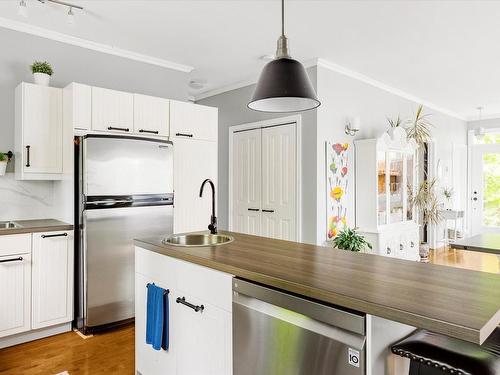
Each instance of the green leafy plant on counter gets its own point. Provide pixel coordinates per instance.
(348, 239)
(419, 127)
(41, 67)
(3, 157)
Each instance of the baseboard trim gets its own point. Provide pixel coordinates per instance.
(23, 337)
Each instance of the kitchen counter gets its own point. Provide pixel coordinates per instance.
(39, 225)
(455, 302)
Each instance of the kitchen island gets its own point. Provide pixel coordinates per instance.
(455, 302)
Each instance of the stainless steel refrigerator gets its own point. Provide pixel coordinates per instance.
(123, 190)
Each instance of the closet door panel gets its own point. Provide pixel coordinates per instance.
(246, 171)
(279, 175)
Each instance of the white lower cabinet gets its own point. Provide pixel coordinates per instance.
(15, 284)
(52, 282)
(200, 341)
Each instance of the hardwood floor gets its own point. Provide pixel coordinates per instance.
(471, 260)
(106, 353)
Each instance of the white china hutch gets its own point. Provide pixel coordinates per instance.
(385, 180)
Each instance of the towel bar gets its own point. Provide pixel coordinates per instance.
(167, 291)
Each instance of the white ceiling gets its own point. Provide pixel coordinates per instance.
(445, 52)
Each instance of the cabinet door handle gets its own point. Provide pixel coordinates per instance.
(388, 250)
(28, 155)
(253, 209)
(401, 247)
(197, 308)
(412, 244)
(20, 259)
(270, 211)
(184, 135)
(121, 129)
(148, 131)
(54, 235)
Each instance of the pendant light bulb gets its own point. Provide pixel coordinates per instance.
(283, 85)
(71, 16)
(22, 9)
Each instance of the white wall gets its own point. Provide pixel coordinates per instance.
(23, 200)
(233, 111)
(342, 97)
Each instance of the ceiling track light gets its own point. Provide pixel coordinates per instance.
(22, 9)
(71, 15)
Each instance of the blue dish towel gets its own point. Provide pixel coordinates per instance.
(157, 317)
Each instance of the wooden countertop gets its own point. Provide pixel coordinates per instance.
(39, 225)
(484, 242)
(455, 302)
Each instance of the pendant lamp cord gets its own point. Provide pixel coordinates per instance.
(283, 17)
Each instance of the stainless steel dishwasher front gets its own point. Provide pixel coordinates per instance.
(276, 333)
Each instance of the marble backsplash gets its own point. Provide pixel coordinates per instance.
(25, 199)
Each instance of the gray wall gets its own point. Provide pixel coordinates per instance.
(233, 111)
(36, 199)
(493, 123)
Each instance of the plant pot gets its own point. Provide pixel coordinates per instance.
(41, 79)
(3, 167)
(423, 251)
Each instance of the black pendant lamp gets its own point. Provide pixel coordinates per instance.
(283, 85)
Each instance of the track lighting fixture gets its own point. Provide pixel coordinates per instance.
(22, 9)
(71, 16)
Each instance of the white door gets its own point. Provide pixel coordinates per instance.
(151, 115)
(42, 129)
(52, 283)
(485, 188)
(246, 176)
(203, 338)
(194, 161)
(279, 181)
(15, 294)
(112, 110)
(194, 121)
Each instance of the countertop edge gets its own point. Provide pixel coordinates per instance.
(401, 316)
(26, 228)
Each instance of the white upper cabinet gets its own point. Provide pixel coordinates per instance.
(39, 132)
(77, 100)
(112, 110)
(151, 115)
(52, 271)
(195, 121)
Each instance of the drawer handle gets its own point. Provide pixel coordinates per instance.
(388, 250)
(20, 259)
(184, 135)
(270, 211)
(121, 129)
(54, 235)
(28, 155)
(412, 244)
(197, 308)
(148, 131)
(253, 209)
(401, 247)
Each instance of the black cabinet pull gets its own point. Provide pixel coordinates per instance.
(20, 259)
(183, 301)
(28, 155)
(401, 247)
(184, 135)
(148, 131)
(121, 129)
(54, 235)
(253, 209)
(270, 211)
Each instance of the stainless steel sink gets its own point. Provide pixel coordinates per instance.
(9, 225)
(198, 239)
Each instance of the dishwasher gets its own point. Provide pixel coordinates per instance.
(277, 333)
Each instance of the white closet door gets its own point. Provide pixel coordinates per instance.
(279, 175)
(247, 182)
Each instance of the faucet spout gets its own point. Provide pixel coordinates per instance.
(213, 220)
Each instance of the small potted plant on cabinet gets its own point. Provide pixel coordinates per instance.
(42, 71)
(349, 239)
(3, 163)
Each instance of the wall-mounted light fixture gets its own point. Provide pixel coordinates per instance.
(22, 9)
(352, 126)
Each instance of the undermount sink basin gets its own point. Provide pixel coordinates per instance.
(8, 225)
(193, 240)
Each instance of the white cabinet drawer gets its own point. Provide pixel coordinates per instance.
(15, 244)
(156, 266)
(207, 285)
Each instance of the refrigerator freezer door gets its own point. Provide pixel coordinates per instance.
(126, 166)
(109, 253)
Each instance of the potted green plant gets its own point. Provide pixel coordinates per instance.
(349, 239)
(3, 164)
(418, 128)
(42, 71)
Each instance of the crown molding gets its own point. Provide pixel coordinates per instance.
(382, 86)
(491, 116)
(88, 44)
